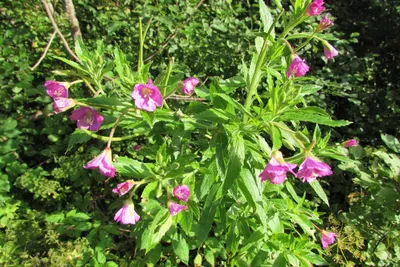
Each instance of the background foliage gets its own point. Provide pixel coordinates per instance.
(52, 213)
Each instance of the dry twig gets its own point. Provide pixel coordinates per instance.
(46, 49)
(53, 22)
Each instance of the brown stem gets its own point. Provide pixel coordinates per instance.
(53, 22)
(110, 137)
(45, 51)
(76, 31)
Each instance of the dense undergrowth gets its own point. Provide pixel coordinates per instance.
(54, 212)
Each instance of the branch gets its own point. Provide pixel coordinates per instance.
(173, 35)
(76, 31)
(45, 51)
(53, 22)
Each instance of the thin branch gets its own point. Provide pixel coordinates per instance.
(53, 22)
(45, 51)
(173, 35)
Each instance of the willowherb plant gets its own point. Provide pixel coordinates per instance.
(201, 179)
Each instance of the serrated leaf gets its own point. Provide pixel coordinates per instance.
(319, 191)
(130, 167)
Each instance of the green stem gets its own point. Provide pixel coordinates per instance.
(257, 72)
(115, 127)
(90, 86)
(114, 139)
(305, 43)
(171, 63)
(141, 43)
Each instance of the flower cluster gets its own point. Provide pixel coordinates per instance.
(298, 66)
(181, 193)
(309, 170)
(146, 97)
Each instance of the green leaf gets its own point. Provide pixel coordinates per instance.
(207, 216)
(130, 167)
(77, 137)
(181, 249)
(266, 17)
(80, 216)
(309, 89)
(159, 226)
(73, 64)
(101, 258)
(252, 193)
(392, 142)
(276, 138)
(319, 191)
(55, 218)
(312, 115)
(209, 255)
(235, 162)
(213, 115)
(280, 261)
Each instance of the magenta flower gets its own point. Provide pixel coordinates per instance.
(182, 192)
(175, 208)
(325, 23)
(137, 147)
(350, 143)
(103, 163)
(329, 51)
(123, 188)
(127, 214)
(275, 171)
(61, 104)
(56, 89)
(298, 67)
(88, 118)
(189, 84)
(327, 238)
(315, 8)
(310, 169)
(147, 96)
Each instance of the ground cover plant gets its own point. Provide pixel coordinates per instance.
(164, 164)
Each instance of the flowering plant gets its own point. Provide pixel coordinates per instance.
(202, 157)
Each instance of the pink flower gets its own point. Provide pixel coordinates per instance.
(175, 208)
(123, 188)
(56, 89)
(324, 23)
(310, 169)
(275, 171)
(350, 143)
(315, 8)
(189, 84)
(327, 238)
(298, 67)
(147, 96)
(103, 163)
(137, 147)
(61, 104)
(127, 214)
(182, 192)
(329, 51)
(88, 118)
